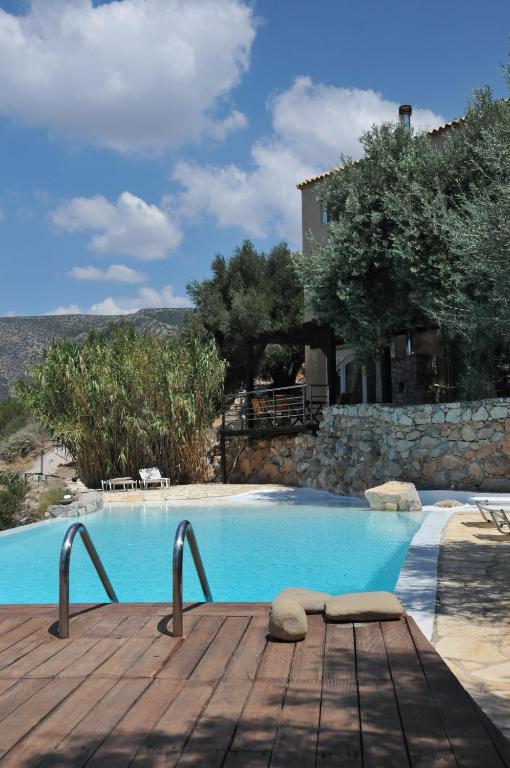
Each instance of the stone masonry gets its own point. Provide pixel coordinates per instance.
(443, 446)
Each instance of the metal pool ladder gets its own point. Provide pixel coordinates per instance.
(185, 531)
(63, 573)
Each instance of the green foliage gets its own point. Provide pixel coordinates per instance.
(249, 293)
(420, 236)
(13, 416)
(52, 495)
(124, 399)
(13, 489)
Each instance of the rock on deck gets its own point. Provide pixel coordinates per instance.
(122, 691)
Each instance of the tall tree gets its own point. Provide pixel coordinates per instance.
(404, 245)
(249, 293)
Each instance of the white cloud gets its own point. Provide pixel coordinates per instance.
(313, 124)
(130, 226)
(146, 298)
(134, 75)
(116, 273)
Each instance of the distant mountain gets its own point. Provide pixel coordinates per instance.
(23, 339)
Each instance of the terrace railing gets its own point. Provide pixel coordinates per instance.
(274, 409)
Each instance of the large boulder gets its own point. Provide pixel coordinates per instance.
(394, 496)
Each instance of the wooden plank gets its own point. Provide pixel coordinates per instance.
(38, 655)
(259, 720)
(82, 741)
(120, 661)
(212, 664)
(5, 683)
(21, 648)
(246, 658)
(296, 739)
(66, 657)
(276, 661)
(187, 656)
(339, 732)
(106, 626)
(214, 730)
(93, 658)
(16, 725)
(7, 624)
(131, 626)
(309, 654)
(20, 632)
(164, 744)
(382, 738)
(247, 760)
(427, 743)
(126, 738)
(50, 732)
(158, 653)
(17, 694)
(468, 737)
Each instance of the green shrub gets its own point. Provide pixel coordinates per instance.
(52, 495)
(13, 489)
(13, 416)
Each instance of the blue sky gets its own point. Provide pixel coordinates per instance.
(139, 138)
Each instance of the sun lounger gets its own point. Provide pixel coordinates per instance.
(116, 482)
(499, 515)
(484, 502)
(152, 476)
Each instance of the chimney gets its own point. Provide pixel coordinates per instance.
(404, 112)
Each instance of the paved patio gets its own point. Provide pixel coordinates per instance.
(472, 630)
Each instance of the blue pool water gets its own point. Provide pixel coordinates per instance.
(250, 552)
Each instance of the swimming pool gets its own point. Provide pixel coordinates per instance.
(250, 550)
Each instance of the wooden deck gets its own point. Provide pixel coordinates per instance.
(121, 691)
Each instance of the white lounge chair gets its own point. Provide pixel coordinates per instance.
(484, 502)
(494, 509)
(152, 476)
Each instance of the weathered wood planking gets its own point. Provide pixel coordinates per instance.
(123, 692)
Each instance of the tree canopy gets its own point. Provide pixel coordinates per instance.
(125, 399)
(249, 293)
(419, 236)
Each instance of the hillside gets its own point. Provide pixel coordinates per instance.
(22, 339)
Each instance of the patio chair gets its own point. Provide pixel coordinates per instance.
(152, 476)
(499, 516)
(485, 502)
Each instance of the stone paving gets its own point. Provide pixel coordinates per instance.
(472, 631)
(182, 493)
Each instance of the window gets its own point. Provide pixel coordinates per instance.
(324, 212)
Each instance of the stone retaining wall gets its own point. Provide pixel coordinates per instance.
(452, 445)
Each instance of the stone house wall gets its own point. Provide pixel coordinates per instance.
(449, 445)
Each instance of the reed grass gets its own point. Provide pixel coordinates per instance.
(125, 399)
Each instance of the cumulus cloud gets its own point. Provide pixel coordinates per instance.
(130, 226)
(313, 124)
(145, 298)
(116, 273)
(134, 75)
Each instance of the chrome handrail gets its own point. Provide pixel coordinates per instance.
(63, 574)
(185, 531)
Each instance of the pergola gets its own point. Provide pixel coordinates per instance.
(311, 333)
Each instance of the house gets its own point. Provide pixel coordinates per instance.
(417, 367)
